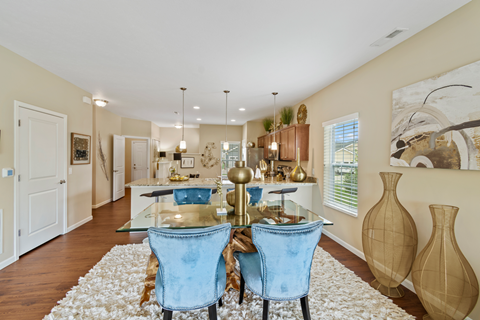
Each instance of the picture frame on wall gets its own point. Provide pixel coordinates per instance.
(187, 162)
(81, 145)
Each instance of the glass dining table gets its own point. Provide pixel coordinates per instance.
(173, 216)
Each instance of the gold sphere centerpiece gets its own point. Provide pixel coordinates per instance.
(240, 176)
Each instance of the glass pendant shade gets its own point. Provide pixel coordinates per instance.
(225, 146)
(183, 145)
(274, 145)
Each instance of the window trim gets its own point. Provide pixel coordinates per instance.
(353, 116)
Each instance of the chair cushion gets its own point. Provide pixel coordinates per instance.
(251, 269)
(192, 196)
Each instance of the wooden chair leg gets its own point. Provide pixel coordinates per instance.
(220, 303)
(242, 288)
(305, 308)
(265, 310)
(167, 315)
(212, 312)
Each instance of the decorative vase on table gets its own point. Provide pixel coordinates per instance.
(240, 176)
(389, 238)
(443, 279)
(298, 174)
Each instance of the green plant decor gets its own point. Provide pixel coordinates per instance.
(286, 115)
(267, 123)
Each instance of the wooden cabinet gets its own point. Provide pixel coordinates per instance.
(288, 144)
(288, 139)
(260, 142)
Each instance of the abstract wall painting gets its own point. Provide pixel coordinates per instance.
(436, 122)
(80, 148)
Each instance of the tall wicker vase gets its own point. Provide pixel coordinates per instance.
(389, 238)
(443, 279)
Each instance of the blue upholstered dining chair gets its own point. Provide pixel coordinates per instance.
(192, 196)
(280, 270)
(256, 194)
(191, 273)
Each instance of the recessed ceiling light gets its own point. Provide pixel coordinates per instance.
(233, 120)
(196, 107)
(199, 119)
(242, 109)
(178, 126)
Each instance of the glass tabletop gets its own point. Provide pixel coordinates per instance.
(173, 216)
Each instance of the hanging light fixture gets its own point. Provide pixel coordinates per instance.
(225, 144)
(183, 144)
(274, 144)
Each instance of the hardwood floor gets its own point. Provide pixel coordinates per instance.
(31, 287)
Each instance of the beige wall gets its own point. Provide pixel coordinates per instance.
(106, 124)
(448, 44)
(254, 129)
(22, 80)
(137, 128)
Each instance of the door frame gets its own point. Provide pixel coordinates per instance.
(148, 153)
(16, 160)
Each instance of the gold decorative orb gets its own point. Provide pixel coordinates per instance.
(231, 198)
(240, 174)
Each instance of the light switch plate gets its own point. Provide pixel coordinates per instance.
(70, 170)
(8, 172)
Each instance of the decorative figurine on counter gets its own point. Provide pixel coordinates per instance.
(222, 210)
(263, 169)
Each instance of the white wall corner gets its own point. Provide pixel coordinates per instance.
(98, 205)
(78, 224)
(406, 283)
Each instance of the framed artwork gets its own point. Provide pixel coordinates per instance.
(436, 122)
(187, 162)
(81, 145)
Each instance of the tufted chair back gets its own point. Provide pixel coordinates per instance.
(192, 196)
(286, 254)
(191, 272)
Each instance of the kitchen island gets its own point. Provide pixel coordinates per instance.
(303, 196)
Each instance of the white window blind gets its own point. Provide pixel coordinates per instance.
(341, 164)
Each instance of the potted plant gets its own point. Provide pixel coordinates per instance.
(267, 123)
(286, 115)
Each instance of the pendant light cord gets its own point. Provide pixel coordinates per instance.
(183, 126)
(226, 113)
(274, 111)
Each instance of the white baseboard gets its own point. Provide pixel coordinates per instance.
(98, 205)
(7, 262)
(78, 224)
(406, 283)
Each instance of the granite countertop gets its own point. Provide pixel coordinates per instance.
(210, 182)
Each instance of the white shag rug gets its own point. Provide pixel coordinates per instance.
(112, 289)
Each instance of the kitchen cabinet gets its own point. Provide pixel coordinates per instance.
(288, 139)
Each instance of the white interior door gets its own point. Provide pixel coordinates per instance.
(41, 177)
(118, 167)
(139, 160)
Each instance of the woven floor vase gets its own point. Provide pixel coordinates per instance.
(443, 279)
(389, 238)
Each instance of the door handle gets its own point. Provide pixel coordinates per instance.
(115, 170)
(63, 181)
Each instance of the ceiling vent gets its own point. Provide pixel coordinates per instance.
(385, 39)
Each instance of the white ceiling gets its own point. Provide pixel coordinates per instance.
(137, 54)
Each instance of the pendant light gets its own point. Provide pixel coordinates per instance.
(274, 144)
(183, 144)
(225, 144)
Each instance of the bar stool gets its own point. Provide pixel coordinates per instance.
(284, 192)
(157, 194)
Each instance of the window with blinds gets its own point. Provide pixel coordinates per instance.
(340, 175)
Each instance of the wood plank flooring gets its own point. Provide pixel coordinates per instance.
(31, 287)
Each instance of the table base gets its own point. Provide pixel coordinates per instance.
(240, 240)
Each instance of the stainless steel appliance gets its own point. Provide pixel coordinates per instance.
(253, 156)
